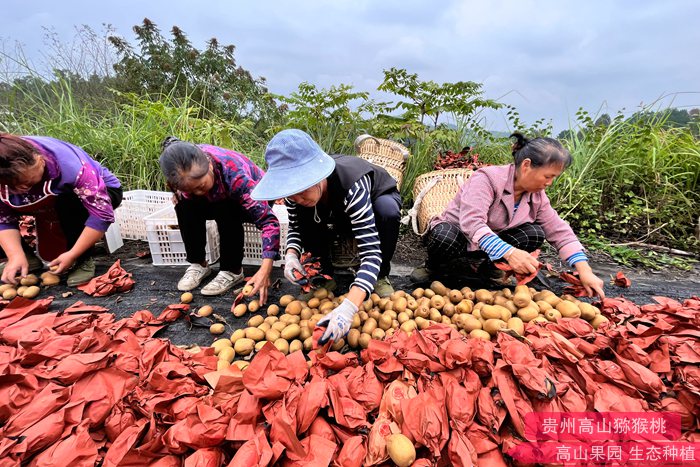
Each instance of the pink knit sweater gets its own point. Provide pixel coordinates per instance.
(485, 205)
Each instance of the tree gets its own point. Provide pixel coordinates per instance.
(430, 99)
(604, 120)
(81, 66)
(211, 76)
(670, 117)
(333, 117)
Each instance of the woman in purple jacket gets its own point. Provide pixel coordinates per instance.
(71, 196)
(502, 214)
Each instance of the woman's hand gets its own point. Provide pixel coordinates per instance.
(337, 322)
(63, 262)
(590, 282)
(16, 266)
(292, 264)
(521, 261)
(261, 280)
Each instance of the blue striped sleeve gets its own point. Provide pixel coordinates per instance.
(494, 246)
(576, 258)
(358, 206)
(293, 237)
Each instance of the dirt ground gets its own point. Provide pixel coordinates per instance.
(156, 286)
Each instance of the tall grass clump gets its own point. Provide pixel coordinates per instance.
(125, 133)
(632, 180)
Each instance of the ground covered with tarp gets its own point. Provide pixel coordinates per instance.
(155, 288)
(81, 387)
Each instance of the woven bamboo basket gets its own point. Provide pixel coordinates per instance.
(387, 154)
(436, 198)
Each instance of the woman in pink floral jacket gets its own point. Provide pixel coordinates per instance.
(210, 182)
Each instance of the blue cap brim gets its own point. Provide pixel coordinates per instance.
(281, 183)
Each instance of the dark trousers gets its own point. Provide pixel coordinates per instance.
(192, 216)
(447, 244)
(72, 215)
(317, 238)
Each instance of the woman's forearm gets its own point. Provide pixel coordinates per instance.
(11, 242)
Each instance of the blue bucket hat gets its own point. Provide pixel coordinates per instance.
(295, 162)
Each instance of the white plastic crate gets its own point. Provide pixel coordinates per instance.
(252, 243)
(165, 239)
(136, 205)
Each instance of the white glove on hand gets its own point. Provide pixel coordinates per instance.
(337, 322)
(291, 262)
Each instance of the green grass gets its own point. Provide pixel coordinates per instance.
(632, 181)
(125, 133)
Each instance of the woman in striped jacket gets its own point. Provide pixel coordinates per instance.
(345, 191)
(502, 214)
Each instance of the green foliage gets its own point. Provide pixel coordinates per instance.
(422, 160)
(632, 179)
(541, 128)
(430, 99)
(210, 77)
(333, 117)
(635, 257)
(127, 137)
(85, 62)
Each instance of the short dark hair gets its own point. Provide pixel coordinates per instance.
(180, 160)
(541, 151)
(16, 155)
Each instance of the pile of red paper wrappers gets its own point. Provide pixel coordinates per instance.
(79, 388)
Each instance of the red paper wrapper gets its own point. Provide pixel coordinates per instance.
(243, 422)
(425, 420)
(76, 449)
(116, 279)
(394, 394)
(576, 288)
(319, 453)
(206, 457)
(320, 427)
(364, 387)
(346, 411)
(461, 451)
(521, 278)
(312, 399)
(352, 453)
(269, 375)
(255, 452)
(204, 427)
(82, 388)
(376, 445)
(621, 280)
(461, 398)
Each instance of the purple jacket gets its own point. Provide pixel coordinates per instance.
(69, 168)
(485, 205)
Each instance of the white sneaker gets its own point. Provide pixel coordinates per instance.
(222, 282)
(193, 277)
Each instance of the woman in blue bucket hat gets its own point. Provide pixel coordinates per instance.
(345, 191)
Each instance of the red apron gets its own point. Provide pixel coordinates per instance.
(50, 240)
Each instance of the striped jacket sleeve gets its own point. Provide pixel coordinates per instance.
(293, 236)
(358, 206)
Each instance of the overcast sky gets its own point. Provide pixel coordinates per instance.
(547, 58)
